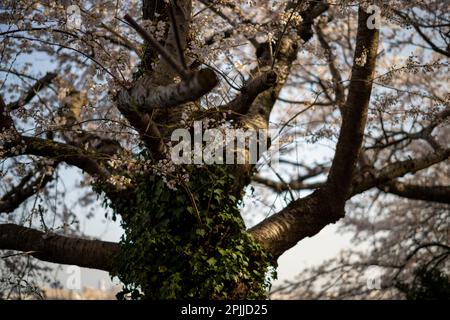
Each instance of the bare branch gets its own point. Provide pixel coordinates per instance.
(211, 6)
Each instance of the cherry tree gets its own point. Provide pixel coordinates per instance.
(367, 80)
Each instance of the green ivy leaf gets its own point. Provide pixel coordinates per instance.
(211, 261)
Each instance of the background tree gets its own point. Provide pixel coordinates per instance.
(110, 102)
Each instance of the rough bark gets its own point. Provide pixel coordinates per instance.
(145, 96)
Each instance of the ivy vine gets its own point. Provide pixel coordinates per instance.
(190, 242)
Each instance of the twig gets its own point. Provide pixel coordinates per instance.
(19, 254)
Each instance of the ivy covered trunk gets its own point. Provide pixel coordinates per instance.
(190, 242)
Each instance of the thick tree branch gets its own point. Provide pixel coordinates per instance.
(5, 120)
(416, 192)
(55, 248)
(306, 217)
(258, 112)
(242, 102)
(38, 86)
(145, 96)
(355, 112)
(85, 160)
(395, 170)
(17, 195)
(316, 8)
(300, 219)
(146, 127)
(175, 13)
(176, 40)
